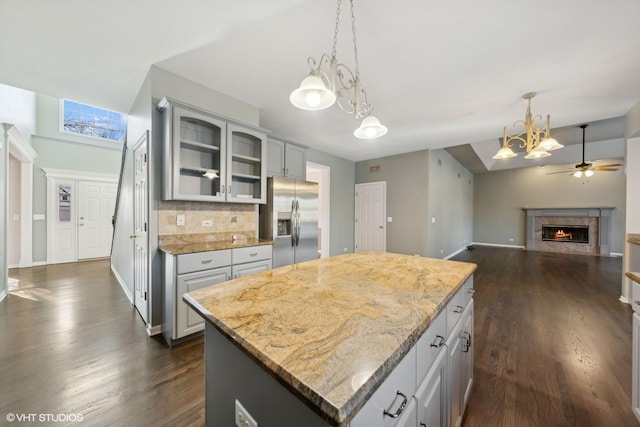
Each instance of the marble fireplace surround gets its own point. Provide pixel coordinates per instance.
(598, 219)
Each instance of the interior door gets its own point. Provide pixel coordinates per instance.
(370, 216)
(96, 204)
(140, 236)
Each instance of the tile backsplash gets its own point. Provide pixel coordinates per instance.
(225, 218)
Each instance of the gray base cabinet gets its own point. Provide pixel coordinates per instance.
(188, 272)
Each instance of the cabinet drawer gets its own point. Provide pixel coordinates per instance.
(251, 253)
(249, 268)
(454, 310)
(467, 290)
(199, 261)
(635, 296)
(430, 344)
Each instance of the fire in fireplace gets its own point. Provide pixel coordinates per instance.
(566, 233)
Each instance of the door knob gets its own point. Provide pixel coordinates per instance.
(81, 224)
(381, 227)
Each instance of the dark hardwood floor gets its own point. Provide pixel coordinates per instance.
(552, 341)
(552, 347)
(71, 343)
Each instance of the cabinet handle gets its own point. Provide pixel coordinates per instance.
(458, 309)
(471, 291)
(423, 424)
(222, 189)
(638, 302)
(254, 254)
(206, 261)
(440, 342)
(400, 409)
(229, 189)
(228, 277)
(235, 276)
(287, 171)
(467, 344)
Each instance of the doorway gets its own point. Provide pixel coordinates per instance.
(321, 174)
(371, 211)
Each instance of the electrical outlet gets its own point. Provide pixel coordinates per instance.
(207, 223)
(433, 220)
(180, 220)
(243, 418)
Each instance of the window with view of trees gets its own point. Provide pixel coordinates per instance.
(96, 122)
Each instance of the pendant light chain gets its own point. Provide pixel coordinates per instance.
(355, 47)
(335, 34)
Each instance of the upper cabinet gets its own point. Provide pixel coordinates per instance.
(207, 158)
(285, 159)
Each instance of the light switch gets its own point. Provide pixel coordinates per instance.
(38, 217)
(389, 219)
(433, 220)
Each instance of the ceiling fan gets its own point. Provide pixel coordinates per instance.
(587, 169)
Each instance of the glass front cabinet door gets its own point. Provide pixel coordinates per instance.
(208, 159)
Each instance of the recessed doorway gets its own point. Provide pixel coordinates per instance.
(321, 174)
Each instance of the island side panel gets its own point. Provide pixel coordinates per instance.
(230, 374)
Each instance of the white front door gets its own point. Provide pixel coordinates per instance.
(96, 204)
(140, 238)
(371, 201)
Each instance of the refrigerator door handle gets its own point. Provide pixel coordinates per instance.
(298, 222)
(293, 222)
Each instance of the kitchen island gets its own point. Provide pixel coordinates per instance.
(309, 344)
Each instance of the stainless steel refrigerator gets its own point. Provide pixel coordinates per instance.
(290, 219)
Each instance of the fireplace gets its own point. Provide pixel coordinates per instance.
(570, 230)
(565, 233)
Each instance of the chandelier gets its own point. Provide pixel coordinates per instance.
(536, 140)
(331, 82)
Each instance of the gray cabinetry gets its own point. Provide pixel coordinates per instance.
(208, 158)
(432, 394)
(284, 159)
(188, 272)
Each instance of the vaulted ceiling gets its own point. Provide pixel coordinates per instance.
(439, 74)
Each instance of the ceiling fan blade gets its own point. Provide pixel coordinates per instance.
(609, 166)
(605, 169)
(553, 173)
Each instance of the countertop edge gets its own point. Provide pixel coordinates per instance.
(183, 248)
(338, 417)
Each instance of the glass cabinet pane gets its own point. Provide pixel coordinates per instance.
(247, 166)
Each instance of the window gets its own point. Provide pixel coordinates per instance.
(96, 122)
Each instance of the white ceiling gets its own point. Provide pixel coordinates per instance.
(438, 74)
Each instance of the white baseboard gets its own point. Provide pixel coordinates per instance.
(624, 299)
(3, 295)
(10, 266)
(498, 245)
(615, 254)
(122, 284)
(154, 330)
(455, 253)
(38, 263)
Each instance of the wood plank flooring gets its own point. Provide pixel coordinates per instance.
(552, 347)
(552, 341)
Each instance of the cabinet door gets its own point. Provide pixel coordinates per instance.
(467, 350)
(636, 366)
(393, 397)
(242, 270)
(294, 162)
(275, 158)
(246, 166)
(187, 321)
(455, 361)
(432, 394)
(198, 164)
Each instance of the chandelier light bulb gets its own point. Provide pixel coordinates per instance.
(537, 153)
(550, 144)
(312, 94)
(588, 173)
(504, 153)
(577, 174)
(370, 128)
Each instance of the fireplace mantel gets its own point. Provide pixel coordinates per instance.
(603, 214)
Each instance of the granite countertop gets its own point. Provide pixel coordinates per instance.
(180, 247)
(332, 329)
(633, 238)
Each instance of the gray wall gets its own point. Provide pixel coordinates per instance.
(420, 186)
(500, 196)
(407, 178)
(342, 203)
(451, 188)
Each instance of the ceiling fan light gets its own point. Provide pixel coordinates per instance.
(588, 173)
(577, 174)
(504, 153)
(312, 94)
(550, 144)
(370, 128)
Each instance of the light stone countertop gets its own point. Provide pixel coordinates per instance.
(332, 329)
(180, 247)
(633, 238)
